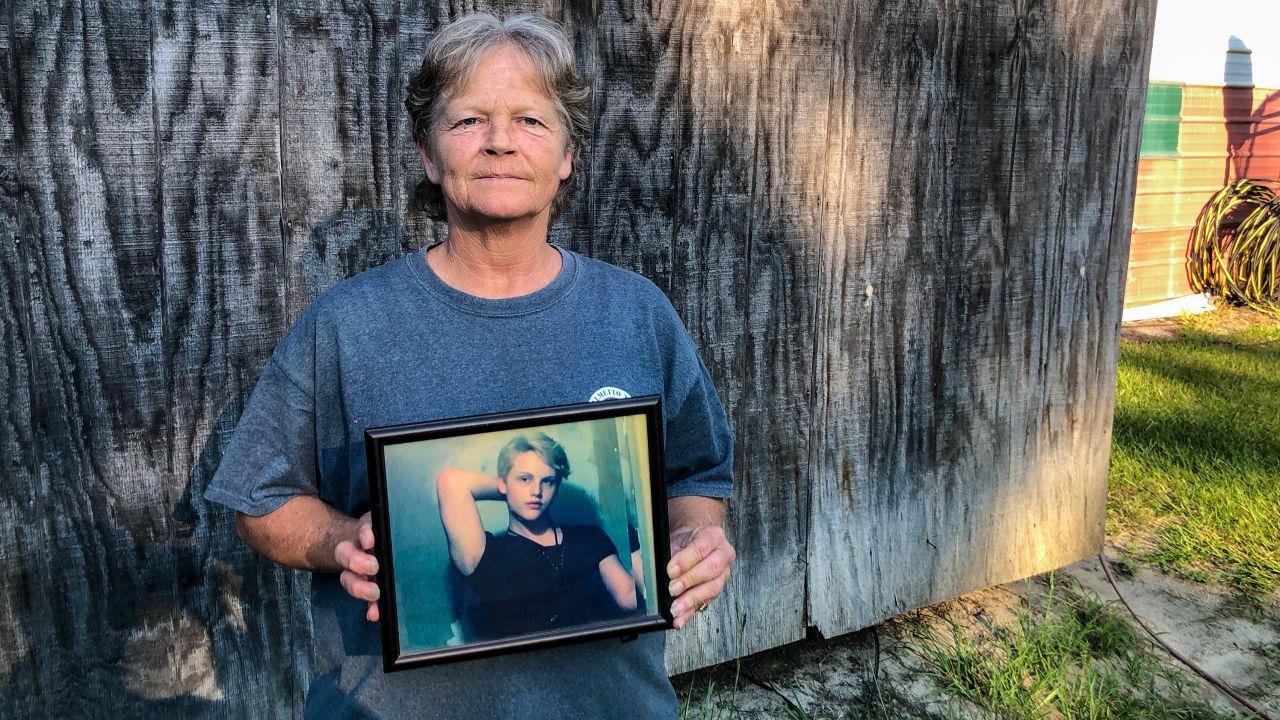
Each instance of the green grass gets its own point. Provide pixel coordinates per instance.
(1195, 460)
(1067, 657)
(707, 708)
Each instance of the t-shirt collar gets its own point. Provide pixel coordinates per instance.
(535, 301)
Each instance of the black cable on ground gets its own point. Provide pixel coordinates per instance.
(875, 671)
(796, 709)
(1111, 578)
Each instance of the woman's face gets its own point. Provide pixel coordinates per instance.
(499, 150)
(530, 486)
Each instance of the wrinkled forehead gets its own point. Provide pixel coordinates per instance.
(461, 76)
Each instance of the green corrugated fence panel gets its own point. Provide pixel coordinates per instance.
(1160, 124)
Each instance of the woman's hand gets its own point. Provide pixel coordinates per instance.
(309, 534)
(359, 567)
(701, 555)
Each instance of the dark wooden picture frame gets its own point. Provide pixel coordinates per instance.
(394, 520)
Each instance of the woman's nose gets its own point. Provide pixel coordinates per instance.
(499, 140)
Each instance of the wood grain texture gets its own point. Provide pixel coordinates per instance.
(958, 446)
(17, 456)
(17, 439)
(341, 175)
(418, 20)
(234, 617)
(98, 407)
(637, 116)
(753, 135)
(576, 229)
(717, 93)
(773, 416)
(1130, 49)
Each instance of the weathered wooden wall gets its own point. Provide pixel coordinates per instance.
(898, 231)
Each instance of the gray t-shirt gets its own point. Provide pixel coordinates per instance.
(396, 345)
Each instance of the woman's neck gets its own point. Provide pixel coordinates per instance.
(496, 261)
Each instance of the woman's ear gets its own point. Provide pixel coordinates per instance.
(502, 485)
(566, 167)
(429, 165)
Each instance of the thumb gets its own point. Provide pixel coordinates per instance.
(365, 532)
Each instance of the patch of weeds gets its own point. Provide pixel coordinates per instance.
(1267, 682)
(1124, 565)
(1254, 608)
(795, 711)
(1069, 656)
(707, 709)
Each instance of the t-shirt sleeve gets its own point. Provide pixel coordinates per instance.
(698, 443)
(597, 545)
(493, 565)
(271, 457)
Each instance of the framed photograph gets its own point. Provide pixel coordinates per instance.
(506, 532)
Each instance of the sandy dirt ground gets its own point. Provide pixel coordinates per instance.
(878, 672)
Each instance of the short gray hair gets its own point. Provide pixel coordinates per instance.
(451, 57)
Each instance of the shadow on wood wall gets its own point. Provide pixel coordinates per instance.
(897, 231)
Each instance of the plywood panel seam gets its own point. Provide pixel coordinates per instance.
(673, 199)
(593, 71)
(823, 302)
(285, 224)
(281, 162)
(743, 357)
(166, 339)
(398, 112)
(22, 229)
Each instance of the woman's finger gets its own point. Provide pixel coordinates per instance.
(714, 565)
(365, 531)
(700, 543)
(358, 587)
(358, 566)
(342, 553)
(351, 558)
(699, 597)
(682, 619)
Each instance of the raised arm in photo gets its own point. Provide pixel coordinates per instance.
(458, 491)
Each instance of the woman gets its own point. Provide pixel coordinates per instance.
(492, 319)
(538, 575)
